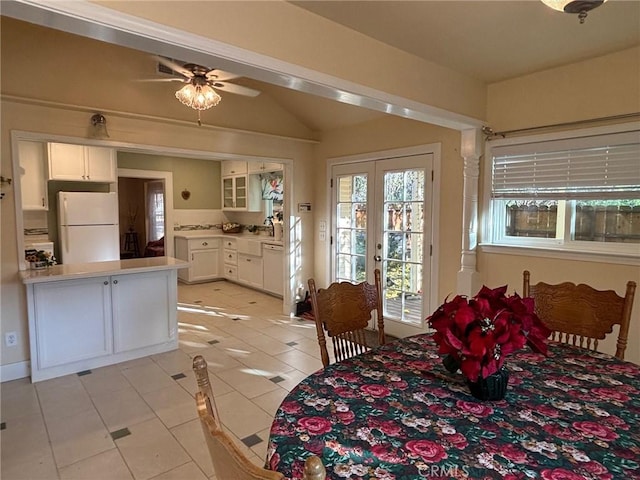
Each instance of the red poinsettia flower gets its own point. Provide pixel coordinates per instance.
(480, 332)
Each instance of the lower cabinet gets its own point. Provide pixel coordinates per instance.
(250, 270)
(72, 321)
(141, 311)
(85, 323)
(204, 256)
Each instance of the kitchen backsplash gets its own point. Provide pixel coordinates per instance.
(197, 219)
(213, 220)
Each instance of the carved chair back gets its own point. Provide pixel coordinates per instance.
(343, 311)
(228, 460)
(580, 314)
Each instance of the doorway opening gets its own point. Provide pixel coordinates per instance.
(146, 213)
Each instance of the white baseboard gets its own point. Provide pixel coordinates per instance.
(14, 371)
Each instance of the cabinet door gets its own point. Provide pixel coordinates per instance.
(33, 175)
(228, 197)
(100, 164)
(141, 310)
(262, 167)
(66, 162)
(241, 192)
(233, 167)
(204, 264)
(250, 270)
(72, 321)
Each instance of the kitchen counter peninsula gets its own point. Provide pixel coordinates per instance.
(90, 315)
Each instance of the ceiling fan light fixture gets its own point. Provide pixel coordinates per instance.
(198, 97)
(581, 7)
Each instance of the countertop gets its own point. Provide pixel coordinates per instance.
(218, 234)
(99, 269)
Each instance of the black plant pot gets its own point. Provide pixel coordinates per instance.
(494, 387)
(451, 363)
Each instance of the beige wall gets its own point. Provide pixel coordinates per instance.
(600, 87)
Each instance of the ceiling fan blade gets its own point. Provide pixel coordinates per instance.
(181, 80)
(233, 88)
(216, 75)
(174, 66)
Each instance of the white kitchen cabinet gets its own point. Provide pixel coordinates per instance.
(86, 322)
(72, 321)
(203, 254)
(231, 168)
(250, 270)
(230, 258)
(263, 167)
(141, 310)
(81, 163)
(242, 193)
(33, 175)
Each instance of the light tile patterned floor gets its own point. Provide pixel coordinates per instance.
(138, 420)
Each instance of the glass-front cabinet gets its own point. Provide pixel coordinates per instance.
(241, 193)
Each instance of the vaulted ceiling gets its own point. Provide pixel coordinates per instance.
(487, 40)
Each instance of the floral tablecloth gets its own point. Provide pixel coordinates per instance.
(396, 413)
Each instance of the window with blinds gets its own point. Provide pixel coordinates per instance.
(580, 192)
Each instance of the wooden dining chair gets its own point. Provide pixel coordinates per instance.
(228, 460)
(343, 311)
(580, 314)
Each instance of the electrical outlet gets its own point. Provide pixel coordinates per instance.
(11, 339)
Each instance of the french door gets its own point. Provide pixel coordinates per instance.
(382, 219)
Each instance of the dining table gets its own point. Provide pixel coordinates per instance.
(396, 413)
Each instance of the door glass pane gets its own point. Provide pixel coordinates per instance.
(403, 210)
(351, 219)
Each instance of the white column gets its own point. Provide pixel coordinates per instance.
(471, 150)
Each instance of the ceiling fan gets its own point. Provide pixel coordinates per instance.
(201, 84)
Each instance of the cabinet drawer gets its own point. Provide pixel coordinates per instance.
(230, 257)
(203, 243)
(231, 272)
(230, 243)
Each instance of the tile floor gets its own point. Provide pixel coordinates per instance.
(138, 420)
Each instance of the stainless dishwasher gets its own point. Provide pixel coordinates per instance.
(273, 268)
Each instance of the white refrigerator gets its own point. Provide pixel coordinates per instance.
(88, 227)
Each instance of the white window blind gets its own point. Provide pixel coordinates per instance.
(597, 167)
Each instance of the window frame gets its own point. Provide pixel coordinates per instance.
(492, 232)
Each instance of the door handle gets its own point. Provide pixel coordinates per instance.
(377, 258)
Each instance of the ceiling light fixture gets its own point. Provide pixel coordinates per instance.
(98, 127)
(581, 7)
(198, 94)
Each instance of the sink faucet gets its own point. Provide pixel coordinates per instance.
(269, 221)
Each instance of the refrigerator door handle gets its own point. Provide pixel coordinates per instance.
(66, 225)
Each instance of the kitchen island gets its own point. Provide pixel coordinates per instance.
(91, 315)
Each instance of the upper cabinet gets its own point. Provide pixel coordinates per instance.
(242, 193)
(233, 167)
(81, 163)
(33, 175)
(262, 167)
